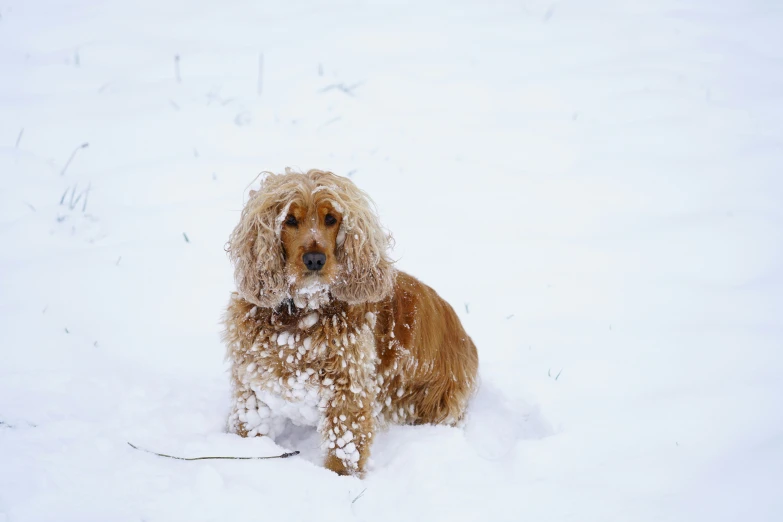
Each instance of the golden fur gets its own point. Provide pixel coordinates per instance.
(350, 347)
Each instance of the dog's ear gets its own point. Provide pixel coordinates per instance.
(256, 251)
(367, 273)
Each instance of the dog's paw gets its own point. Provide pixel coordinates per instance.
(336, 464)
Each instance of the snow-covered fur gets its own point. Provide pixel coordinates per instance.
(348, 348)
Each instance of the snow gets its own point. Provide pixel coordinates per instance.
(280, 218)
(312, 295)
(301, 413)
(306, 322)
(594, 186)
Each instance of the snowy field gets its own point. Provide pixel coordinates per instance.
(596, 187)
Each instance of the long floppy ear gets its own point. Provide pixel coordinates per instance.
(255, 250)
(367, 273)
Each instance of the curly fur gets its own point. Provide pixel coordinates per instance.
(254, 246)
(379, 347)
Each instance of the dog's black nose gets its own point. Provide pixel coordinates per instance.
(314, 260)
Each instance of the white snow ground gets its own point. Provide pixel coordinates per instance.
(595, 186)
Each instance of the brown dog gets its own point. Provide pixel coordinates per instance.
(324, 331)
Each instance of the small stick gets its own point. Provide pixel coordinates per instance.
(347, 89)
(360, 496)
(82, 146)
(72, 204)
(333, 120)
(86, 195)
(282, 456)
(19, 138)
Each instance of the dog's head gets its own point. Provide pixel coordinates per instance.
(310, 237)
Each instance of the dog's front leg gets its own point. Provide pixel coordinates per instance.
(348, 427)
(250, 416)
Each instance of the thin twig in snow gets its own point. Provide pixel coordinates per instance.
(176, 68)
(360, 496)
(67, 163)
(281, 456)
(4, 424)
(19, 138)
(74, 199)
(347, 89)
(187, 240)
(86, 195)
(333, 120)
(73, 202)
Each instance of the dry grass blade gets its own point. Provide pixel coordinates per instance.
(73, 154)
(360, 496)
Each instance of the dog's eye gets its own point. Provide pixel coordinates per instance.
(291, 221)
(330, 220)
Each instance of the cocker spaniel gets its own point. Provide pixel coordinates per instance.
(324, 331)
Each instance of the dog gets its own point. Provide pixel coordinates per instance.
(324, 331)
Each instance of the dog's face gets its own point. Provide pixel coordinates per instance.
(310, 236)
(303, 234)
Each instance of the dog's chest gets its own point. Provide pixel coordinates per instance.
(292, 368)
